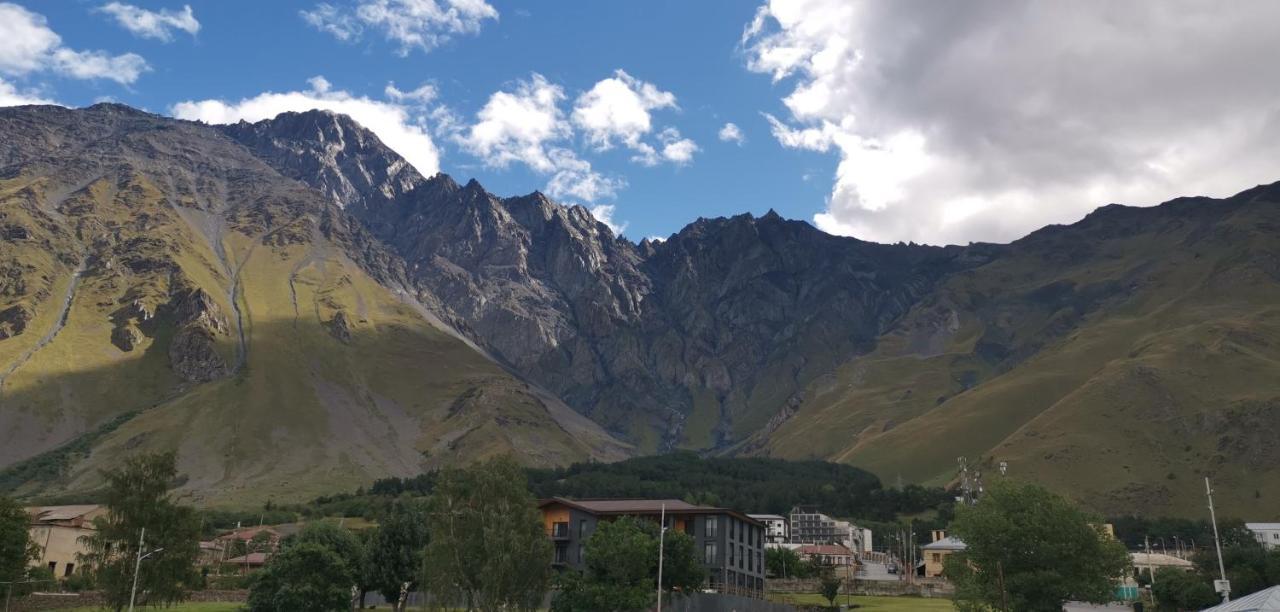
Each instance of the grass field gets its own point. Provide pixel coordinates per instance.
(869, 603)
(185, 607)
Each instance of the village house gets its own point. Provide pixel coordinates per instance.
(57, 531)
(730, 543)
(833, 555)
(935, 553)
(775, 526)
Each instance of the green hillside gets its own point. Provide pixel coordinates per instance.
(1118, 360)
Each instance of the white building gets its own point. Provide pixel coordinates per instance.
(1268, 534)
(808, 526)
(775, 526)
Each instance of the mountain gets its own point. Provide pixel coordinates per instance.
(294, 308)
(162, 288)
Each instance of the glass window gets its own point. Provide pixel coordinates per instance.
(710, 527)
(709, 553)
(582, 528)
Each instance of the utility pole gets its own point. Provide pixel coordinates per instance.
(137, 565)
(1225, 586)
(662, 532)
(1146, 540)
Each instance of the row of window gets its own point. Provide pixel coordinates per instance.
(736, 579)
(739, 556)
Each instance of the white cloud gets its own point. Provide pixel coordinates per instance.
(984, 120)
(618, 109)
(732, 133)
(405, 132)
(423, 94)
(518, 126)
(123, 69)
(527, 126)
(27, 45)
(604, 214)
(12, 96)
(421, 24)
(676, 149)
(153, 24)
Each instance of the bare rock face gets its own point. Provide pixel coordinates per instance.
(193, 353)
(126, 336)
(339, 327)
(14, 320)
(736, 309)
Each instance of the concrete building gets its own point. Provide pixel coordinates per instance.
(1267, 534)
(57, 531)
(731, 544)
(935, 553)
(809, 526)
(775, 527)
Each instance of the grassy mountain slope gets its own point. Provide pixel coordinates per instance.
(1118, 360)
(164, 274)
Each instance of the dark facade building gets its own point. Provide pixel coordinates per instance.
(730, 543)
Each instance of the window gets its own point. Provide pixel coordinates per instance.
(937, 557)
(742, 552)
(731, 555)
(709, 553)
(751, 563)
(710, 527)
(53, 567)
(732, 530)
(561, 553)
(582, 528)
(70, 568)
(582, 554)
(560, 530)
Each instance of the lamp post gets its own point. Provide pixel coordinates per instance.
(137, 565)
(662, 531)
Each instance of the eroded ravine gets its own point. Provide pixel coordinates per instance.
(61, 321)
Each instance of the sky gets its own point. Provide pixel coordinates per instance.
(890, 120)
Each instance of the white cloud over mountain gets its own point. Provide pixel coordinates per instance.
(397, 125)
(983, 120)
(411, 24)
(153, 24)
(28, 45)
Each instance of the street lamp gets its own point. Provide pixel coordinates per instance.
(137, 565)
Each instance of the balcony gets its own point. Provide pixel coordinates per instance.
(560, 531)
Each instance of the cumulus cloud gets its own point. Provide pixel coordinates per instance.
(395, 124)
(528, 126)
(619, 110)
(153, 24)
(28, 45)
(984, 120)
(732, 133)
(676, 149)
(10, 95)
(420, 24)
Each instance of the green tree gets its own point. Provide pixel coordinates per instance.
(303, 577)
(1031, 550)
(622, 566)
(1176, 590)
(829, 587)
(137, 497)
(397, 547)
(488, 546)
(16, 548)
(314, 571)
(781, 562)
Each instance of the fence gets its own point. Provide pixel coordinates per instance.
(891, 588)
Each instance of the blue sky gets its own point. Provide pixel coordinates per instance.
(889, 120)
(688, 49)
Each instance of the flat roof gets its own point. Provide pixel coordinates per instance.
(622, 506)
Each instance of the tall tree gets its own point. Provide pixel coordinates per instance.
(303, 577)
(1031, 550)
(396, 549)
(314, 571)
(137, 498)
(622, 566)
(16, 548)
(488, 545)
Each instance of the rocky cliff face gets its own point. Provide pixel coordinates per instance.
(159, 272)
(693, 342)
